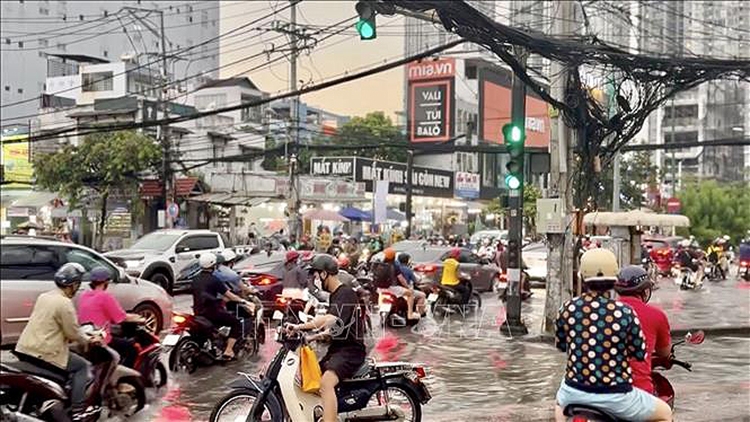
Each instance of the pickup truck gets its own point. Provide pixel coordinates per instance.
(162, 255)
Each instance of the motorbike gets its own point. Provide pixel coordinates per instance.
(313, 303)
(148, 361)
(32, 391)
(446, 300)
(687, 278)
(501, 287)
(391, 391)
(393, 310)
(744, 270)
(711, 272)
(664, 389)
(195, 341)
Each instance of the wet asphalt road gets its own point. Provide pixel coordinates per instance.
(475, 370)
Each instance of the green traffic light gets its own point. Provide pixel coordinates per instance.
(515, 134)
(366, 29)
(512, 133)
(512, 181)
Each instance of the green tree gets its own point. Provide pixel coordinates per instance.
(373, 129)
(103, 163)
(636, 172)
(715, 210)
(530, 194)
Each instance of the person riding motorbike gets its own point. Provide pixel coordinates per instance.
(634, 287)
(345, 327)
(225, 273)
(714, 255)
(600, 336)
(52, 324)
(352, 250)
(404, 265)
(99, 307)
(388, 275)
(209, 294)
(451, 276)
(294, 275)
(688, 257)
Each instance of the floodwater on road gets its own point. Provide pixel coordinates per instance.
(474, 367)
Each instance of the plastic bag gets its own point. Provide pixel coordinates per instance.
(308, 373)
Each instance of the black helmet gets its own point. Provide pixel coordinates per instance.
(69, 274)
(404, 258)
(632, 279)
(324, 262)
(99, 275)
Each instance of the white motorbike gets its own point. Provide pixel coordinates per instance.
(377, 392)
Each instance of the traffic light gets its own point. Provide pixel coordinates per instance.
(366, 25)
(514, 137)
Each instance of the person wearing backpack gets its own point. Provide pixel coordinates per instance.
(387, 275)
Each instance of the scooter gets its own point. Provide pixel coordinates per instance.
(446, 300)
(744, 270)
(377, 392)
(664, 389)
(195, 341)
(687, 278)
(393, 311)
(32, 390)
(501, 287)
(148, 361)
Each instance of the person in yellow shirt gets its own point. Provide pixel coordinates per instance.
(451, 276)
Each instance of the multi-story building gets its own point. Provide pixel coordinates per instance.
(32, 30)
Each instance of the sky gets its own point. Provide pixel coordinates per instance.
(331, 58)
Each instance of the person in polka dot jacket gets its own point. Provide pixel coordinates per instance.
(600, 335)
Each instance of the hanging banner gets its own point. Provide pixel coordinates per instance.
(467, 185)
(18, 171)
(431, 103)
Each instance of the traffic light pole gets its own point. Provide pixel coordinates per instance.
(513, 325)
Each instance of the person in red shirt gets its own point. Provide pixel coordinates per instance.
(634, 286)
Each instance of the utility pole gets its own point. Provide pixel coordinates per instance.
(408, 205)
(560, 246)
(513, 324)
(616, 183)
(295, 226)
(674, 160)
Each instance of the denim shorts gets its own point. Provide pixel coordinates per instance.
(635, 405)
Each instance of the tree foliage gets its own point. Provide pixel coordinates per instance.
(374, 128)
(636, 174)
(103, 164)
(716, 210)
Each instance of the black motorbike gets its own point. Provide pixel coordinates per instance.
(148, 358)
(445, 300)
(195, 341)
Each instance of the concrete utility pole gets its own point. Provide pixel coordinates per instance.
(408, 205)
(560, 246)
(616, 183)
(513, 324)
(294, 199)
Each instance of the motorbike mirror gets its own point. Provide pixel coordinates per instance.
(695, 338)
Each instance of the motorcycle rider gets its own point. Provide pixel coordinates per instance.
(52, 324)
(294, 276)
(451, 276)
(99, 307)
(600, 336)
(714, 254)
(346, 352)
(389, 273)
(208, 295)
(404, 266)
(226, 274)
(634, 287)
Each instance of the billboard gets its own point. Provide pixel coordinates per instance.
(17, 168)
(495, 106)
(430, 100)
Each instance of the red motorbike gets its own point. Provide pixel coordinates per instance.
(664, 389)
(148, 359)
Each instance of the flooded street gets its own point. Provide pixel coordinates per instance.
(475, 369)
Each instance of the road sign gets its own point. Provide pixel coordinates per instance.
(673, 205)
(173, 210)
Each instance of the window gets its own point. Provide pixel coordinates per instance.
(7, 88)
(43, 43)
(190, 19)
(204, 19)
(65, 18)
(80, 17)
(7, 40)
(61, 47)
(97, 81)
(43, 11)
(198, 243)
(25, 262)
(87, 259)
(105, 53)
(20, 90)
(106, 13)
(20, 44)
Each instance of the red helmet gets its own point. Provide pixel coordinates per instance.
(455, 253)
(291, 256)
(343, 261)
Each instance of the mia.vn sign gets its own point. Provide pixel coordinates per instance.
(431, 102)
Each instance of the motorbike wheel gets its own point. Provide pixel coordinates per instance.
(136, 397)
(475, 303)
(401, 400)
(237, 404)
(158, 375)
(441, 307)
(184, 356)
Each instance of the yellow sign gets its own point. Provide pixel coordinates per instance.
(17, 168)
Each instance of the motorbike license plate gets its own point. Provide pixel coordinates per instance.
(432, 297)
(386, 307)
(171, 340)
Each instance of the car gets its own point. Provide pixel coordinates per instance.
(27, 268)
(428, 264)
(162, 255)
(266, 273)
(661, 254)
(534, 257)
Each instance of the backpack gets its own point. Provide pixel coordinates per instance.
(382, 274)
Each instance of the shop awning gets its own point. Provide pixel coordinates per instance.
(324, 215)
(355, 214)
(390, 214)
(635, 218)
(183, 187)
(34, 199)
(229, 199)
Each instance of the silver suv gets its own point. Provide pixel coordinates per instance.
(27, 268)
(162, 255)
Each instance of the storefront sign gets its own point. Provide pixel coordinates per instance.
(431, 100)
(312, 190)
(467, 185)
(18, 171)
(425, 181)
(431, 69)
(332, 166)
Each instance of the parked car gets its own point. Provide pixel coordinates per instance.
(27, 268)
(161, 256)
(428, 264)
(264, 272)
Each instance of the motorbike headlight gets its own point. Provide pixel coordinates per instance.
(134, 263)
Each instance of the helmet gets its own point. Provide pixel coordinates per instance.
(343, 261)
(389, 255)
(228, 255)
(291, 256)
(220, 259)
(455, 253)
(632, 279)
(598, 264)
(404, 258)
(99, 275)
(207, 260)
(685, 243)
(69, 274)
(324, 262)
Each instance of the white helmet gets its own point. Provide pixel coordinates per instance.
(685, 243)
(207, 260)
(228, 255)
